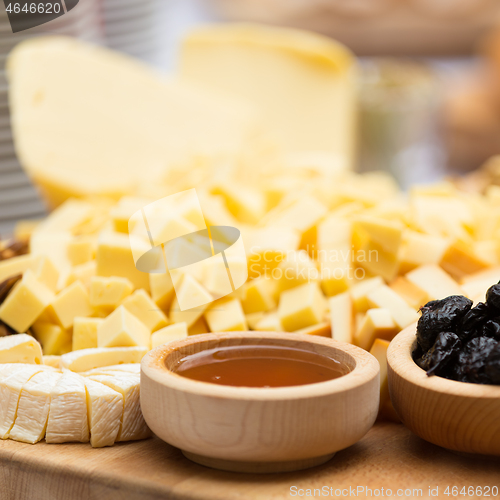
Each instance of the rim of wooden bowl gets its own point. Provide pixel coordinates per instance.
(365, 368)
(399, 357)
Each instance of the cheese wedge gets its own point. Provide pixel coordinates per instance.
(132, 426)
(11, 385)
(104, 410)
(88, 359)
(21, 348)
(124, 368)
(33, 408)
(68, 411)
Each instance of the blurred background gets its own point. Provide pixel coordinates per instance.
(429, 88)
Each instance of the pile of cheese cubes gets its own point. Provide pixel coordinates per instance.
(101, 404)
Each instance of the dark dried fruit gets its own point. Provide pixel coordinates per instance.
(473, 358)
(492, 329)
(492, 366)
(444, 351)
(493, 297)
(440, 316)
(472, 323)
(13, 249)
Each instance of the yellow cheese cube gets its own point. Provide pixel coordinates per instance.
(198, 327)
(360, 291)
(379, 350)
(114, 258)
(226, 316)
(270, 322)
(67, 217)
(418, 249)
(20, 348)
(297, 269)
(415, 297)
(460, 260)
(143, 308)
(46, 272)
(377, 261)
(385, 298)
(195, 296)
(258, 296)
(377, 323)
(434, 281)
(336, 276)
(321, 329)
(253, 319)
(162, 289)
(85, 332)
(14, 266)
(177, 331)
(26, 301)
(109, 292)
(386, 233)
(334, 231)
(83, 273)
(81, 250)
(301, 306)
(55, 340)
(71, 302)
(341, 317)
(122, 212)
(122, 329)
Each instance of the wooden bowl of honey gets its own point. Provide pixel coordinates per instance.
(259, 402)
(459, 416)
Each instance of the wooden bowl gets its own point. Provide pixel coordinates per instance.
(259, 429)
(455, 415)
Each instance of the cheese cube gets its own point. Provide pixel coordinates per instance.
(198, 327)
(85, 332)
(378, 261)
(26, 301)
(386, 233)
(194, 298)
(334, 231)
(295, 270)
(67, 217)
(336, 276)
(14, 266)
(270, 322)
(258, 296)
(68, 303)
(83, 273)
(360, 291)
(321, 329)
(379, 350)
(46, 272)
(419, 248)
(55, 339)
(122, 329)
(434, 281)
(253, 319)
(143, 308)
(460, 259)
(68, 419)
(377, 323)
(20, 348)
(115, 258)
(341, 317)
(301, 307)
(80, 250)
(33, 408)
(169, 333)
(88, 359)
(105, 412)
(162, 289)
(385, 298)
(415, 297)
(108, 292)
(122, 212)
(226, 316)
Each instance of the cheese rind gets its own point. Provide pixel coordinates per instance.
(88, 359)
(68, 411)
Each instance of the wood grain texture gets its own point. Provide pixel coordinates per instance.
(242, 428)
(456, 415)
(389, 456)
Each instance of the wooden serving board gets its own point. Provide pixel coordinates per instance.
(389, 456)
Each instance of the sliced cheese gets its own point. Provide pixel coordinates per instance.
(68, 411)
(88, 359)
(21, 348)
(33, 408)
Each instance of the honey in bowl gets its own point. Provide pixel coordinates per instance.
(259, 366)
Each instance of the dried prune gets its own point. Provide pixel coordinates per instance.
(472, 358)
(492, 366)
(439, 356)
(492, 328)
(493, 297)
(473, 321)
(440, 316)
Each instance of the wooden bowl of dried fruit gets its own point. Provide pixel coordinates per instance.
(460, 412)
(257, 401)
